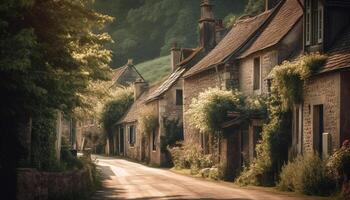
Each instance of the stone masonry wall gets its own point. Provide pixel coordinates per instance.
(322, 89)
(268, 60)
(192, 87)
(33, 185)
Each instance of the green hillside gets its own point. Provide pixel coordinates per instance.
(155, 70)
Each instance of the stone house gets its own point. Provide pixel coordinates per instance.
(243, 60)
(166, 99)
(121, 77)
(321, 123)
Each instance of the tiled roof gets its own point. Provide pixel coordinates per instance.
(339, 54)
(288, 15)
(166, 85)
(236, 37)
(116, 73)
(136, 108)
(171, 80)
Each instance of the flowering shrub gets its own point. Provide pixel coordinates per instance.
(209, 110)
(339, 163)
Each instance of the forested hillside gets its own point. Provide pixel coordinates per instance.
(146, 29)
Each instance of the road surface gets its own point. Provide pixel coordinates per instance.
(128, 180)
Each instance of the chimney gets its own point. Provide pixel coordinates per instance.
(269, 4)
(130, 62)
(175, 56)
(220, 30)
(139, 87)
(207, 26)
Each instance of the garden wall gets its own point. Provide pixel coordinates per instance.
(32, 184)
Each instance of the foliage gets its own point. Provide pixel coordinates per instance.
(173, 134)
(230, 20)
(307, 175)
(289, 77)
(254, 7)
(338, 164)
(96, 140)
(148, 121)
(114, 110)
(155, 25)
(155, 70)
(189, 156)
(286, 90)
(209, 110)
(43, 139)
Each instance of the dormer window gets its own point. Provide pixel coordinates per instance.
(314, 20)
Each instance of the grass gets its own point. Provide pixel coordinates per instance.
(155, 70)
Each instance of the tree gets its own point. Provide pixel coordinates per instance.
(49, 54)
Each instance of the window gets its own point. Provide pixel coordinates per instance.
(132, 135)
(314, 20)
(154, 140)
(178, 97)
(257, 74)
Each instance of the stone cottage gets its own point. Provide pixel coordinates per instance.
(121, 77)
(166, 99)
(322, 121)
(243, 60)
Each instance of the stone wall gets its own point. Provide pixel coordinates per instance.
(268, 60)
(35, 185)
(322, 89)
(192, 87)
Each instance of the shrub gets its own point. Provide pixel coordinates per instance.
(114, 110)
(189, 156)
(209, 110)
(338, 164)
(307, 175)
(173, 133)
(148, 121)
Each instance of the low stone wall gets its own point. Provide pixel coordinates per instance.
(32, 184)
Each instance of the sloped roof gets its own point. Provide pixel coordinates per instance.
(339, 53)
(116, 73)
(285, 19)
(171, 80)
(236, 37)
(166, 85)
(136, 108)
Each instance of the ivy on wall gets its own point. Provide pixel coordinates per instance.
(287, 86)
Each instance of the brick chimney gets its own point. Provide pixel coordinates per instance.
(207, 26)
(175, 54)
(269, 4)
(139, 87)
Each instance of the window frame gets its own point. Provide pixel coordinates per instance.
(132, 135)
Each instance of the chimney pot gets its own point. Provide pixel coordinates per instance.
(130, 62)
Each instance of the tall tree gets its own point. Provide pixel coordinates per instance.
(50, 51)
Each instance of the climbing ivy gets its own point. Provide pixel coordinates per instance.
(286, 90)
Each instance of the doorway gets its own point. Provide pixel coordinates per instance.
(318, 128)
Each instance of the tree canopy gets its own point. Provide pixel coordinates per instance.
(146, 29)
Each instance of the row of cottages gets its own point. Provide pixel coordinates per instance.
(88, 129)
(244, 59)
(164, 100)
